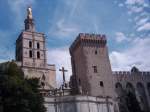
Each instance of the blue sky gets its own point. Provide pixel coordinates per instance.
(126, 23)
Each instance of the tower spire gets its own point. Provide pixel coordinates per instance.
(29, 21)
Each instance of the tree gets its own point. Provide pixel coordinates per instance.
(18, 94)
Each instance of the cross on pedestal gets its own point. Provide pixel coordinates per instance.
(63, 72)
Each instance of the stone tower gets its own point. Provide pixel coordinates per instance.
(92, 74)
(31, 54)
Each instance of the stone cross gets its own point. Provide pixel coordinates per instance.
(63, 72)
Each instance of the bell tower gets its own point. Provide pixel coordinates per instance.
(30, 46)
(31, 53)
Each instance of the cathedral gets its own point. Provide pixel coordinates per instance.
(93, 86)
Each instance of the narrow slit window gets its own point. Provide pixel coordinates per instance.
(38, 45)
(79, 82)
(95, 51)
(30, 44)
(38, 55)
(30, 54)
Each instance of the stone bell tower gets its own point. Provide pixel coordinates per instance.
(92, 74)
(30, 46)
(31, 53)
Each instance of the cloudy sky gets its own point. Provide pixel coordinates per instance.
(126, 24)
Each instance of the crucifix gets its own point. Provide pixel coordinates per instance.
(63, 72)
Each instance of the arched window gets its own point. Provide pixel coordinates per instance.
(142, 96)
(38, 54)
(30, 44)
(119, 89)
(148, 88)
(30, 53)
(38, 45)
(130, 88)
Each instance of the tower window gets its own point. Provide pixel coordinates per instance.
(95, 69)
(95, 51)
(30, 44)
(79, 82)
(101, 83)
(38, 55)
(38, 45)
(30, 54)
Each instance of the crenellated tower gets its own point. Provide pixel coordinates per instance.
(91, 67)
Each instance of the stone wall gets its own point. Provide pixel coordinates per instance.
(137, 82)
(49, 74)
(78, 104)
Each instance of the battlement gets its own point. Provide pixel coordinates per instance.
(89, 40)
(130, 73)
(88, 36)
(134, 70)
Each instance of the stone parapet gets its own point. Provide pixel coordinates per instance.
(134, 76)
(129, 73)
(89, 40)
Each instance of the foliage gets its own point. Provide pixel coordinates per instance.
(18, 94)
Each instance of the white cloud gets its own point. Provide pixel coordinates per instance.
(120, 5)
(60, 57)
(132, 2)
(121, 37)
(135, 9)
(136, 55)
(142, 21)
(63, 29)
(146, 5)
(141, 15)
(146, 27)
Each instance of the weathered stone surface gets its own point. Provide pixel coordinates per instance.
(78, 104)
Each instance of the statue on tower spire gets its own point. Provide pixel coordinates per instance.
(29, 21)
(29, 13)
